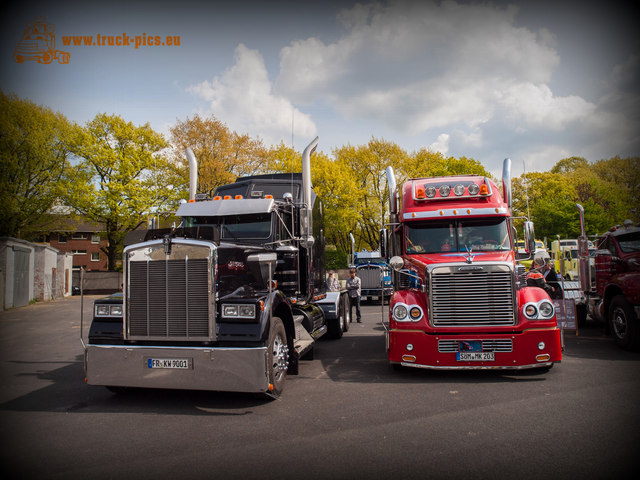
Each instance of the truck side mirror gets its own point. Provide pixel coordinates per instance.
(383, 243)
(529, 238)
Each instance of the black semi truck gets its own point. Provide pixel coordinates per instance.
(230, 300)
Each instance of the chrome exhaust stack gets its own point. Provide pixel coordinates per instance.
(306, 219)
(193, 174)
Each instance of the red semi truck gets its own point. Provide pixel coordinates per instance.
(460, 298)
(612, 290)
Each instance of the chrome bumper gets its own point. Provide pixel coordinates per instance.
(218, 369)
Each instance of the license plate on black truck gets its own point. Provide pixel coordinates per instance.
(179, 363)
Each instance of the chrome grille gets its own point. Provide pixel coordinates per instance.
(168, 299)
(472, 296)
(369, 276)
(489, 345)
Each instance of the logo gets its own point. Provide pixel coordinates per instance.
(39, 43)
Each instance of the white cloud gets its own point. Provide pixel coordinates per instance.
(423, 67)
(441, 144)
(243, 98)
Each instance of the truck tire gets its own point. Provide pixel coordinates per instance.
(581, 314)
(337, 326)
(344, 304)
(278, 357)
(623, 323)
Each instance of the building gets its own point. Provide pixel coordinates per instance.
(82, 240)
(30, 271)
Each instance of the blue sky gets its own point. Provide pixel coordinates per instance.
(536, 81)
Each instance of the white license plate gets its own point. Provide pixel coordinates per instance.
(181, 363)
(374, 297)
(475, 356)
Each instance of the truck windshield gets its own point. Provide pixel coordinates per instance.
(458, 236)
(233, 227)
(629, 242)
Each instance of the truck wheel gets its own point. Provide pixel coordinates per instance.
(581, 314)
(624, 323)
(278, 357)
(336, 325)
(46, 58)
(346, 311)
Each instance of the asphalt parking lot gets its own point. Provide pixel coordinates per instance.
(346, 415)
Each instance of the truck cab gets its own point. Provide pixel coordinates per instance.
(458, 301)
(230, 300)
(612, 287)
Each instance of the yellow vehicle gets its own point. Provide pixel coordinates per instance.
(541, 251)
(565, 257)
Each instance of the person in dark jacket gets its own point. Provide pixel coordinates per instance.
(354, 289)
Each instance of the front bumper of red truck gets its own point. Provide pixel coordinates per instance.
(533, 348)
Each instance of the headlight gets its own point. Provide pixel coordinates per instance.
(458, 190)
(407, 313)
(444, 190)
(430, 191)
(238, 311)
(546, 309)
(530, 311)
(106, 310)
(473, 189)
(542, 310)
(400, 313)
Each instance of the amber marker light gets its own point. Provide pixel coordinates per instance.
(408, 358)
(543, 358)
(227, 197)
(217, 197)
(238, 197)
(484, 190)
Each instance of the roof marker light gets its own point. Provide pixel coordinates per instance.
(420, 192)
(227, 197)
(268, 196)
(217, 197)
(238, 197)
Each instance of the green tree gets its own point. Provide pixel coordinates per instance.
(333, 182)
(120, 179)
(366, 166)
(34, 146)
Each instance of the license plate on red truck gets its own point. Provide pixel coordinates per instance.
(471, 351)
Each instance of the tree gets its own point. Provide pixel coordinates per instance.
(121, 178)
(366, 166)
(222, 155)
(34, 145)
(333, 182)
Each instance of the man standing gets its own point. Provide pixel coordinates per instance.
(354, 289)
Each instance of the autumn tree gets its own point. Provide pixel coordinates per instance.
(333, 183)
(222, 154)
(120, 179)
(34, 146)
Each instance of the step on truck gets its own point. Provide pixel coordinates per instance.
(230, 300)
(611, 290)
(459, 301)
